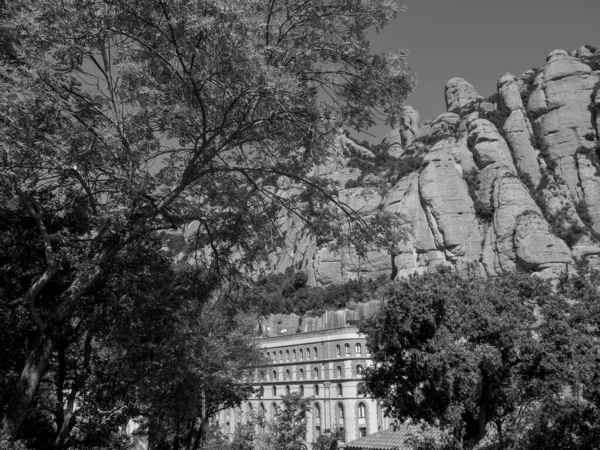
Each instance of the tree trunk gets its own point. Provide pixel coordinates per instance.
(34, 370)
(37, 362)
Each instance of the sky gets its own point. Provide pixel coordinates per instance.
(480, 40)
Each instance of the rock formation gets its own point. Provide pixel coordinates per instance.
(503, 184)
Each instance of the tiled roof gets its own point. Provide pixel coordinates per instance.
(392, 439)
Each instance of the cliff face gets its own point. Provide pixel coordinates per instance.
(500, 184)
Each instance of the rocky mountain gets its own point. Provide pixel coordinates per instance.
(509, 182)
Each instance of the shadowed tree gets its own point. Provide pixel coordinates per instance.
(467, 353)
(156, 112)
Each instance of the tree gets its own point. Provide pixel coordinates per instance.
(286, 431)
(156, 112)
(463, 353)
(152, 343)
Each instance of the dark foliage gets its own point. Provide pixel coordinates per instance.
(386, 168)
(483, 211)
(288, 293)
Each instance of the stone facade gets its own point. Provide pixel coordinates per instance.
(324, 365)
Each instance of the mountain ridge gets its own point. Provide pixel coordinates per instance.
(505, 183)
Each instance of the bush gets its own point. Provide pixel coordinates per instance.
(583, 213)
(483, 211)
(497, 118)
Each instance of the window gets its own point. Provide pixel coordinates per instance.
(317, 411)
(301, 390)
(308, 353)
(280, 356)
(288, 375)
(340, 373)
(316, 353)
(316, 390)
(339, 390)
(261, 410)
(262, 374)
(250, 409)
(318, 431)
(358, 349)
(269, 355)
(273, 410)
(294, 354)
(274, 391)
(301, 354)
(338, 351)
(287, 390)
(301, 374)
(315, 372)
(359, 369)
(362, 432)
(287, 355)
(228, 415)
(340, 413)
(274, 375)
(362, 411)
(347, 349)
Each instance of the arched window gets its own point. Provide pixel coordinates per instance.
(287, 390)
(362, 411)
(301, 390)
(274, 375)
(250, 409)
(347, 349)
(281, 356)
(262, 374)
(262, 410)
(308, 353)
(288, 375)
(316, 390)
(273, 411)
(301, 374)
(340, 373)
(274, 391)
(316, 353)
(338, 351)
(294, 354)
(316, 372)
(358, 349)
(339, 390)
(359, 369)
(301, 354)
(269, 355)
(340, 413)
(287, 355)
(317, 411)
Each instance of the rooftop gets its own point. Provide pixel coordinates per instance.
(394, 438)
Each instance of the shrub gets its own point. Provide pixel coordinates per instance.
(483, 211)
(583, 213)
(497, 118)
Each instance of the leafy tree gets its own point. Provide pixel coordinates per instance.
(286, 431)
(464, 353)
(152, 341)
(142, 115)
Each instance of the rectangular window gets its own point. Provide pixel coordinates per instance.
(362, 432)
